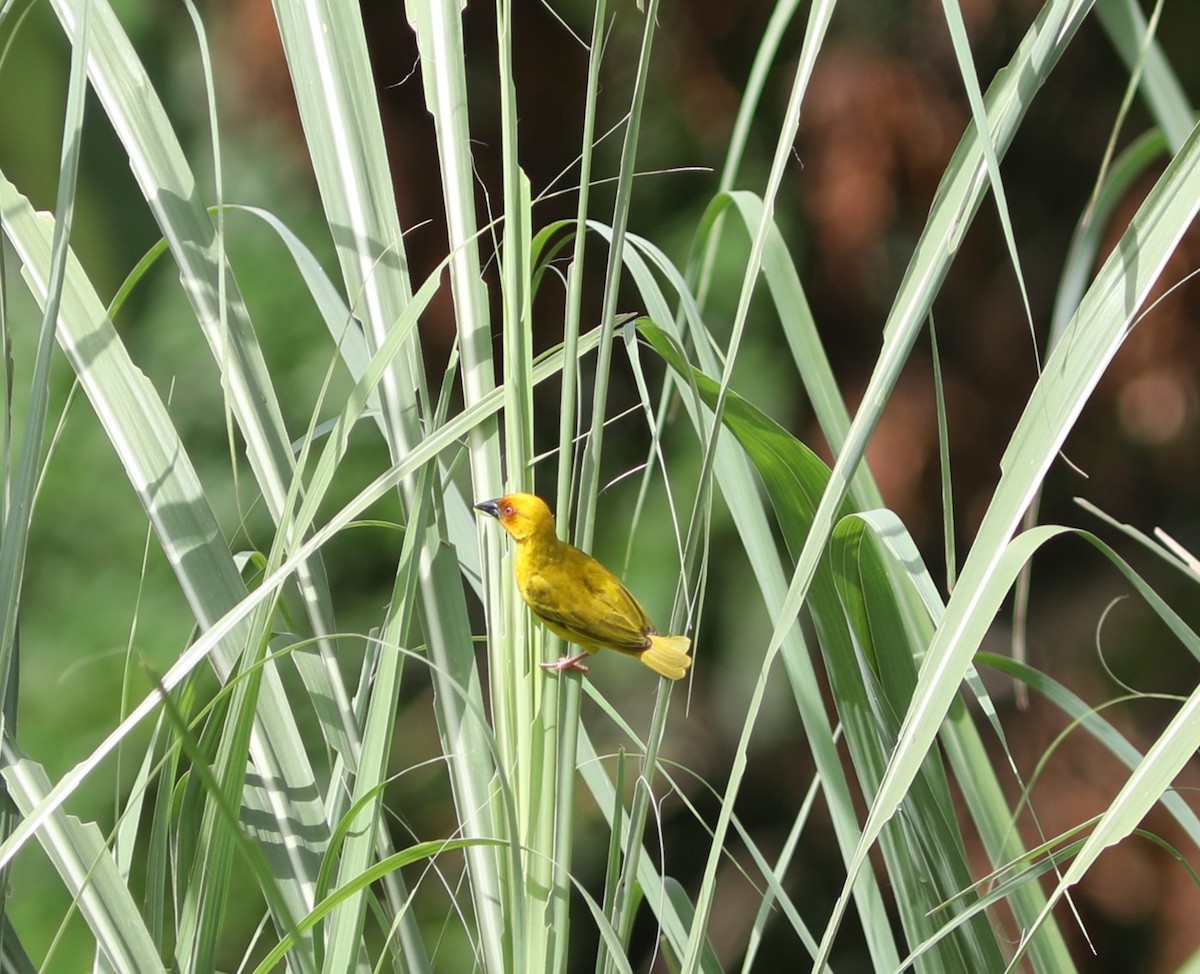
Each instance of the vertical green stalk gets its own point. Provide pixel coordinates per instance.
(563, 695)
(495, 881)
(590, 473)
(612, 869)
(19, 495)
(624, 908)
(818, 21)
(532, 766)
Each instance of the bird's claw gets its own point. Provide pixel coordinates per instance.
(566, 663)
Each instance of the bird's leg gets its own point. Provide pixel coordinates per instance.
(567, 663)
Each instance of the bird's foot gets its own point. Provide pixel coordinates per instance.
(567, 663)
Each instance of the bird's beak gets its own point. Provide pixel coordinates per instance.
(491, 508)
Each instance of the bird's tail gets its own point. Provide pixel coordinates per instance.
(668, 656)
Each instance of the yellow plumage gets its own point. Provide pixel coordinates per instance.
(578, 598)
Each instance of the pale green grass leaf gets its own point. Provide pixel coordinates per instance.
(78, 852)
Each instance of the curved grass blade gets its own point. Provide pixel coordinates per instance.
(160, 471)
(1125, 24)
(170, 190)
(1099, 328)
(446, 436)
(1092, 722)
(771, 450)
(88, 871)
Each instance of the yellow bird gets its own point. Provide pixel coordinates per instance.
(577, 597)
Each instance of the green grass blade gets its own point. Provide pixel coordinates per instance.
(1173, 748)
(944, 473)
(331, 69)
(589, 474)
(1088, 719)
(161, 473)
(979, 117)
(19, 494)
(169, 187)
(1166, 98)
(756, 82)
(1099, 328)
(87, 868)
(1131, 165)
(563, 697)
(347, 338)
(737, 481)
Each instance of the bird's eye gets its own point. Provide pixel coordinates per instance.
(507, 509)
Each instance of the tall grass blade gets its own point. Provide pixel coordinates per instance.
(78, 852)
(563, 697)
(1161, 89)
(1097, 332)
(498, 894)
(160, 471)
(737, 481)
(19, 493)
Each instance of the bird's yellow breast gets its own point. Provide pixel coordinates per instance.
(578, 598)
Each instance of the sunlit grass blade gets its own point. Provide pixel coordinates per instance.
(327, 54)
(562, 700)
(19, 486)
(959, 738)
(1132, 164)
(169, 187)
(799, 329)
(988, 143)
(1004, 886)
(1087, 717)
(700, 271)
(1164, 95)
(1173, 748)
(590, 455)
(86, 866)
(160, 470)
(1071, 372)
(737, 481)
(930, 861)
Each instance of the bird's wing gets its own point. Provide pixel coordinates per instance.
(604, 616)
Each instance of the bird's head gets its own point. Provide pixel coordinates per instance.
(521, 515)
